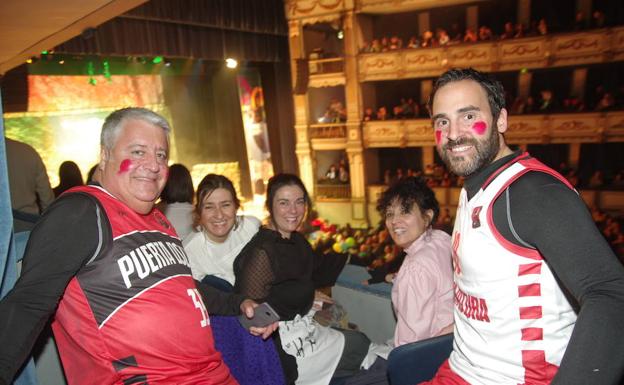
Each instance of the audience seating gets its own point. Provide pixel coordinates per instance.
(413, 363)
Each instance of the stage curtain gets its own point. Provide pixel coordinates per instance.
(247, 30)
(206, 114)
(278, 104)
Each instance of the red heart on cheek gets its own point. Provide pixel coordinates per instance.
(479, 127)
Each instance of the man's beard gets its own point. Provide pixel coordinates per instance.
(466, 166)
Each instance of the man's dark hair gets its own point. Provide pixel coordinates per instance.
(493, 88)
(407, 192)
(179, 186)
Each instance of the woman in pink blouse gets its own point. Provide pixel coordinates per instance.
(422, 292)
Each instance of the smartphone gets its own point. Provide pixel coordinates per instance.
(263, 315)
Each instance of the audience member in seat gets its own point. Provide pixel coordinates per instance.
(422, 291)
(69, 176)
(279, 266)
(110, 270)
(539, 294)
(177, 199)
(220, 235)
(30, 188)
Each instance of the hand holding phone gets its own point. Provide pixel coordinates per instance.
(264, 315)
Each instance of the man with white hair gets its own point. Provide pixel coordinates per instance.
(112, 271)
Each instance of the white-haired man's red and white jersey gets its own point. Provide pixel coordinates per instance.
(132, 314)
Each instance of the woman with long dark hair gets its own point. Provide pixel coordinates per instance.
(279, 266)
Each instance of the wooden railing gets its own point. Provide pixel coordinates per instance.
(605, 199)
(555, 50)
(324, 66)
(590, 127)
(333, 191)
(328, 131)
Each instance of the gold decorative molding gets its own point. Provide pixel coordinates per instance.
(575, 43)
(614, 126)
(617, 39)
(506, 55)
(473, 55)
(294, 28)
(382, 134)
(524, 129)
(301, 109)
(571, 126)
(422, 59)
(590, 127)
(327, 18)
(328, 144)
(378, 63)
(327, 80)
(419, 133)
(327, 131)
(315, 11)
(374, 191)
(394, 6)
(522, 50)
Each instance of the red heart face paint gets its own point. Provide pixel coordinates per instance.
(479, 127)
(438, 136)
(124, 166)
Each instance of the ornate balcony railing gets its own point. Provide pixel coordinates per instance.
(606, 199)
(326, 72)
(592, 127)
(556, 50)
(325, 66)
(319, 10)
(328, 131)
(333, 191)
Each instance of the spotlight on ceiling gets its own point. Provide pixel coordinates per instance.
(231, 63)
(157, 59)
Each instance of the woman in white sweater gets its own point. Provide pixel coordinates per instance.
(220, 234)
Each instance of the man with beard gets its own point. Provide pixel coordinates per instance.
(539, 295)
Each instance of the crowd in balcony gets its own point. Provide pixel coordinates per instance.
(334, 113)
(336, 174)
(441, 37)
(603, 99)
(374, 249)
(435, 175)
(611, 228)
(407, 108)
(597, 180)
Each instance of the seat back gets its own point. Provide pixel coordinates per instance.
(418, 361)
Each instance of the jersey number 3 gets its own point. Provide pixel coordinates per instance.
(199, 304)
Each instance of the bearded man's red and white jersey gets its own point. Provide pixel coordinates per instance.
(512, 321)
